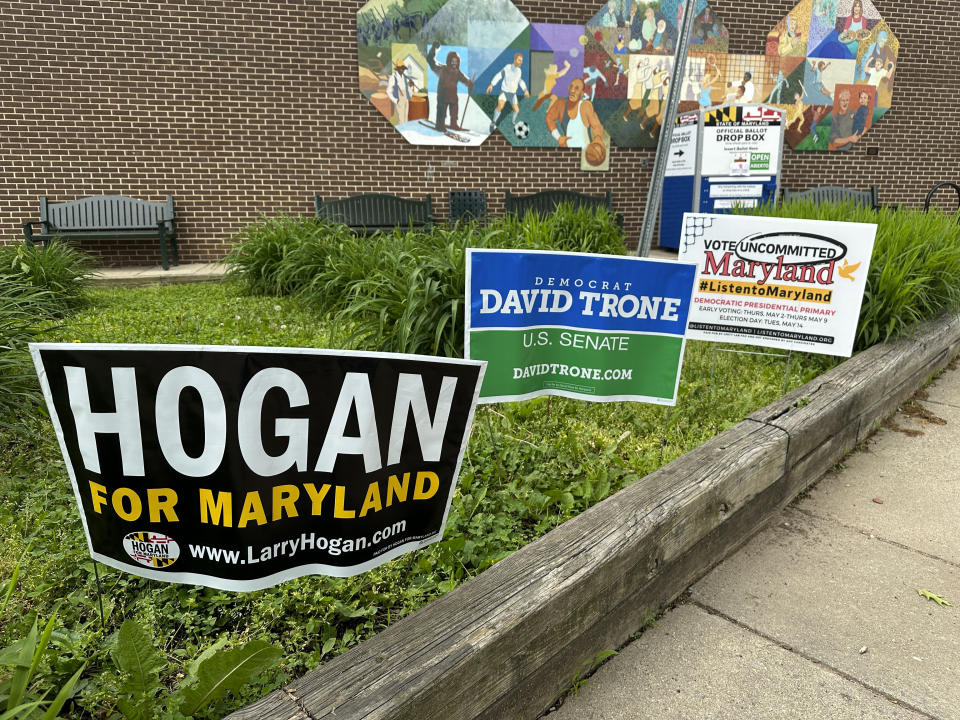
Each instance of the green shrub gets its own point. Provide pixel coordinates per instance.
(915, 269)
(400, 291)
(568, 228)
(22, 307)
(37, 283)
(276, 256)
(59, 269)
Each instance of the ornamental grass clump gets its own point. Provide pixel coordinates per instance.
(400, 291)
(276, 256)
(60, 270)
(37, 284)
(22, 308)
(406, 295)
(568, 229)
(915, 269)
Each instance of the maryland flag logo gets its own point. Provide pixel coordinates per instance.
(728, 114)
(151, 549)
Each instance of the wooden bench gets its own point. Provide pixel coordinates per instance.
(374, 212)
(546, 202)
(835, 194)
(107, 216)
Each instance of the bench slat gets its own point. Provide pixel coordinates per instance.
(107, 212)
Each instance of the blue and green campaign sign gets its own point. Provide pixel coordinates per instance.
(592, 327)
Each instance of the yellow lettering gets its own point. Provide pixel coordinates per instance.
(338, 511)
(136, 507)
(316, 497)
(372, 500)
(284, 499)
(252, 510)
(212, 512)
(162, 500)
(98, 494)
(419, 493)
(395, 489)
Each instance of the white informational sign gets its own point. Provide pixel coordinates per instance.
(742, 141)
(683, 151)
(735, 190)
(730, 203)
(781, 283)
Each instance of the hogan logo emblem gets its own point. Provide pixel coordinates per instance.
(151, 549)
(795, 248)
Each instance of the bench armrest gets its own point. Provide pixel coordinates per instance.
(47, 228)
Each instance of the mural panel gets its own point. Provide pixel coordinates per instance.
(844, 82)
(792, 34)
(452, 72)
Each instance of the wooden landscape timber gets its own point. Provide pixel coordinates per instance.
(508, 643)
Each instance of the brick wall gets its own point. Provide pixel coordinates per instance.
(240, 108)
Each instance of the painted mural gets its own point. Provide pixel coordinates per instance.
(453, 72)
(838, 62)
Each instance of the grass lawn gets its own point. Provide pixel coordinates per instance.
(529, 467)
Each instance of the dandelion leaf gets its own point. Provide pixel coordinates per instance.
(139, 660)
(228, 670)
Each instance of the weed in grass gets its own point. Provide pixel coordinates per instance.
(206, 680)
(23, 657)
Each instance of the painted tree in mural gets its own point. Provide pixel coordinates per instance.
(453, 72)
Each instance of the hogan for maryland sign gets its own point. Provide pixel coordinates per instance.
(777, 282)
(239, 468)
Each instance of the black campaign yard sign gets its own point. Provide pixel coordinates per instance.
(239, 468)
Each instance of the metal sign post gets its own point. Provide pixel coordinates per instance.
(655, 192)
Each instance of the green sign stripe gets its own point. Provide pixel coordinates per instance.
(592, 363)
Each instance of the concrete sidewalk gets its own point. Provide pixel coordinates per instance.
(156, 275)
(818, 616)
